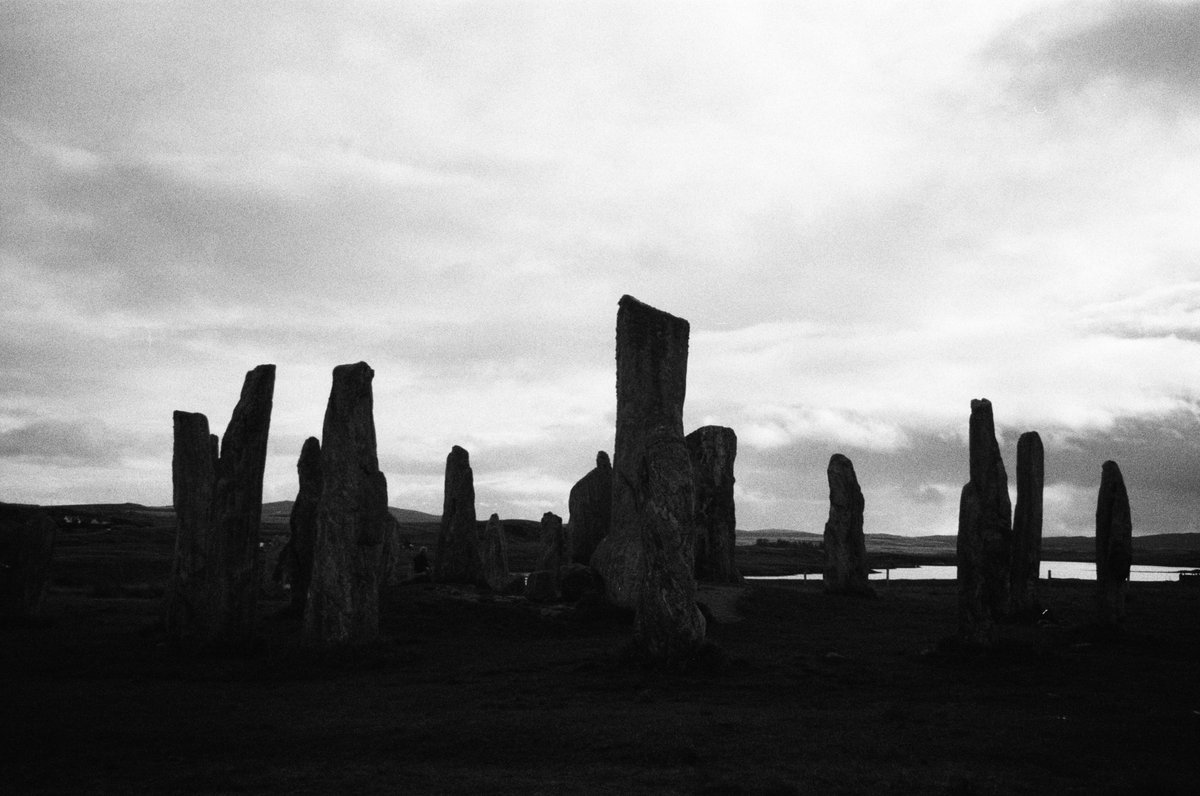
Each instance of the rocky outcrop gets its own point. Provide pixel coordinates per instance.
(984, 529)
(712, 450)
(298, 554)
(352, 517)
(217, 571)
(652, 349)
(458, 557)
(27, 537)
(1027, 527)
(845, 546)
(1114, 545)
(494, 555)
(590, 510)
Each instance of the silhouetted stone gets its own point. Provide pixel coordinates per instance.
(554, 551)
(395, 563)
(540, 588)
(845, 546)
(1114, 545)
(1027, 527)
(297, 556)
(590, 507)
(575, 580)
(352, 517)
(27, 537)
(217, 572)
(984, 529)
(652, 349)
(712, 450)
(494, 555)
(458, 557)
(668, 627)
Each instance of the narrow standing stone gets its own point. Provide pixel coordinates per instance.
(494, 556)
(217, 573)
(1027, 526)
(984, 529)
(712, 450)
(554, 548)
(845, 545)
(27, 537)
(1114, 545)
(352, 517)
(458, 555)
(303, 523)
(652, 349)
(590, 507)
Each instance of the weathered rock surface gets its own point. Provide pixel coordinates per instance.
(298, 554)
(554, 544)
(845, 545)
(984, 530)
(27, 537)
(652, 349)
(712, 450)
(458, 556)
(395, 563)
(1027, 527)
(495, 555)
(1114, 545)
(590, 510)
(575, 580)
(217, 572)
(668, 627)
(352, 517)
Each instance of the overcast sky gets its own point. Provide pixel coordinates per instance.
(870, 212)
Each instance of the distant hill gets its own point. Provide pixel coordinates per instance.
(282, 509)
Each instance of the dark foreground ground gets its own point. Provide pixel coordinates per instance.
(817, 694)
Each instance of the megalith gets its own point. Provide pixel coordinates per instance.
(27, 537)
(845, 545)
(712, 450)
(554, 551)
(668, 626)
(1027, 527)
(652, 350)
(458, 556)
(217, 490)
(352, 517)
(590, 510)
(1114, 545)
(494, 555)
(298, 554)
(984, 529)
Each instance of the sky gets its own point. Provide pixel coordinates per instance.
(869, 212)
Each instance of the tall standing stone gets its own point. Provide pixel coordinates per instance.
(458, 556)
(217, 572)
(845, 545)
(494, 555)
(352, 517)
(1114, 545)
(590, 510)
(652, 350)
(1027, 526)
(27, 537)
(303, 523)
(712, 450)
(555, 550)
(984, 530)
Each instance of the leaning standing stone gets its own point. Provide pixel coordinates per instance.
(27, 536)
(590, 507)
(458, 555)
(845, 545)
(495, 555)
(652, 350)
(1027, 526)
(352, 517)
(713, 450)
(1114, 545)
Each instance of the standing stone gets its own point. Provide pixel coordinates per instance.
(712, 450)
(1114, 545)
(984, 529)
(590, 507)
(845, 545)
(554, 552)
(395, 566)
(1027, 526)
(652, 349)
(458, 559)
(494, 557)
(217, 572)
(27, 536)
(352, 517)
(298, 554)
(668, 626)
